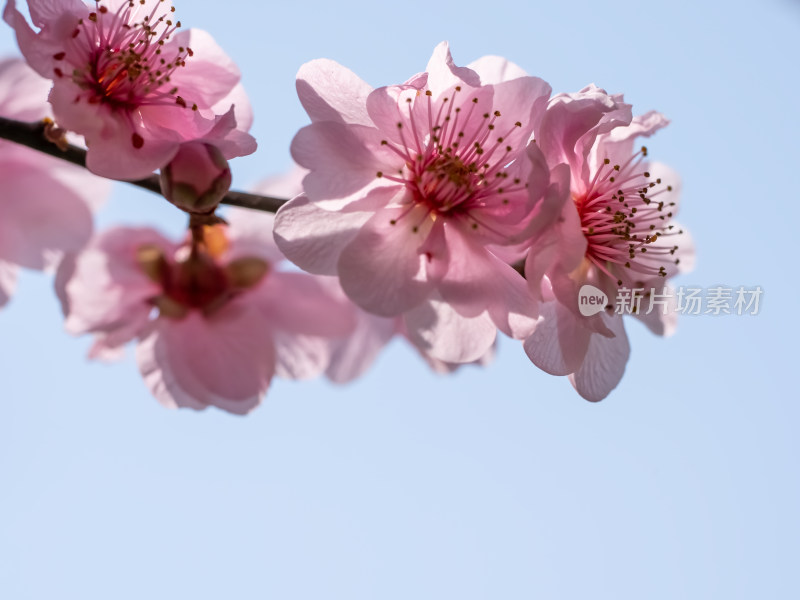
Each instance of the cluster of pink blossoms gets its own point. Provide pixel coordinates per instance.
(423, 198)
(463, 202)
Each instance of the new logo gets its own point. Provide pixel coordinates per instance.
(591, 300)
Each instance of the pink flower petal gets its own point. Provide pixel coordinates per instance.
(343, 159)
(225, 361)
(40, 216)
(45, 10)
(496, 69)
(23, 94)
(560, 341)
(300, 356)
(387, 268)
(476, 281)
(443, 334)
(641, 125)
(108, 288)
(443, 73)
(605, 361)
(572, 123)
(314, 238)
(38, 53)
(209, 75)
(353, 355)
(331, 92)
(523, 100)
(299, 303)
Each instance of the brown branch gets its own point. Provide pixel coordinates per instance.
(33, 136)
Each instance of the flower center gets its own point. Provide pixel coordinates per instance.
(124, 63)
(455, 158)
(194, 279)
(625, 224)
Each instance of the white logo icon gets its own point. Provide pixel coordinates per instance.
(591, 300)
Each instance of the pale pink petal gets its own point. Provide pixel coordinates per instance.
(617, 144)
(386, 109)
(519, 100)
(573, 242)
(445, 368)
(40, 216)
(560, 341)
(387, 268)
(511, 255)
(240, 101)
(556, 240)
(496, 69)
(351, 356)
(555, 196)
(443, 73)
(331, 92)
(440, 332)
(478, 281)
(108, 289)
(109, 345)
(38, 52)
(641, 125)
(314, 238)
(209, 75)
(572, 123)
(343, 159)
(605, 361)
(227, 133)
(93, 190)
(72, 115)
(43, 11)
(298, 303)
(226, 360)
(23, 94)
(300, 356)
(540, 261)
(103, 352)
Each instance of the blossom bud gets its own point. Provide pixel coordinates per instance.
(197, 179)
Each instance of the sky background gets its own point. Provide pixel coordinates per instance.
(492, 483)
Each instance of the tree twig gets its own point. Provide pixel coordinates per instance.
(33, 136)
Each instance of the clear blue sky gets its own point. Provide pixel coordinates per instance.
(498, 483)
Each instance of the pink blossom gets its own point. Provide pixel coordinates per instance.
(45, 204)
(611, 227)
(135, 87)
(214, 318)
(409, 186)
